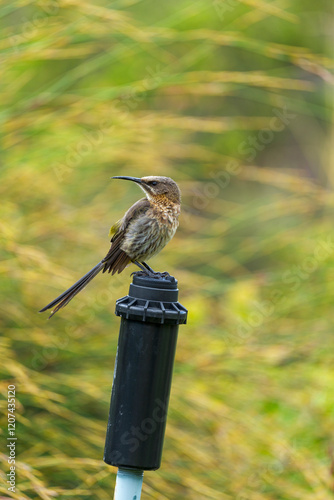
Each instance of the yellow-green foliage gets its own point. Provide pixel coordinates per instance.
(229, 98)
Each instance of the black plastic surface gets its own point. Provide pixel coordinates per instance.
(152, 300)
(143, 373)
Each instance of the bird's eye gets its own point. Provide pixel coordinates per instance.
(153, 183)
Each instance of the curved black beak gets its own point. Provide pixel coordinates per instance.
(126, 178)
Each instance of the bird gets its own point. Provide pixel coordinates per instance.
(144, 230)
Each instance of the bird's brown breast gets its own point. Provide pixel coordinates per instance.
(164, 211)
(151, 231)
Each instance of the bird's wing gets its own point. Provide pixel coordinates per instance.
(139, 208)
(120, 226)
(115, 228)
(116, 259)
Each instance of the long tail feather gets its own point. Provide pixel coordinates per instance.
(68, 295)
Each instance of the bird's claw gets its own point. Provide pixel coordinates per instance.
(164, 274)
(155, 274)
(138, 273)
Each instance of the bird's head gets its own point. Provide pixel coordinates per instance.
(156, 187)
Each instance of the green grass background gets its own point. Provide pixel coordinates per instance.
(196, 91)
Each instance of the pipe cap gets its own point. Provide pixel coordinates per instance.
(152, 300)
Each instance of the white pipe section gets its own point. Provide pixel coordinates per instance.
(128, 484)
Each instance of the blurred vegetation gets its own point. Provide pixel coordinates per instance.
(231, 99)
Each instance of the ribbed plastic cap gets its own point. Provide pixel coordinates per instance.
(152, 300)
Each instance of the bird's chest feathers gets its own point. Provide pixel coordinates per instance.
(151, 231)
(166, 213)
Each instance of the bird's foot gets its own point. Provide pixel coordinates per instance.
(164, 274)
(146, 270)
(151, 274)
(139, 273)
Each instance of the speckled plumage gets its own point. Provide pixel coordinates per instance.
(148, 233)
(142, 233)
